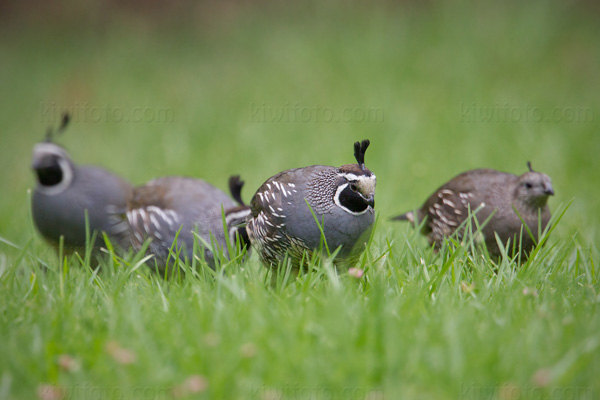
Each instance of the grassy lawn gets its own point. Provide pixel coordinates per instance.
(256, 89)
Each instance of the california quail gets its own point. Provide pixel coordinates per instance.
(171, 208)
(483, 192)
(236, 216)
(342, 199)
(65, 192)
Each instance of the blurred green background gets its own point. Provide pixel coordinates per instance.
(237, 87)
(252, 88)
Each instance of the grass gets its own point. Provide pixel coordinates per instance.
(415, 325)
(237, 79)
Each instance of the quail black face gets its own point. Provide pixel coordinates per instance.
(534, 188)
(53, 168)
(48, 170)
(356, 189)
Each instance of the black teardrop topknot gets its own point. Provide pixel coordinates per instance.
(235, 188)
(529, 166)
(359, 152)
(66, 118)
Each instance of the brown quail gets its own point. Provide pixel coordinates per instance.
(488, 194)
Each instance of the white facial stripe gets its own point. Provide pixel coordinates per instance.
(45, 148)
(353, 177)
(359, 178)
(49, 148)
(350, 177)
(67, 178)
(238, 215)
(336, 200)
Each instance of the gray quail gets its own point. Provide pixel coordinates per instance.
(342, 199)
(173, 208)
(483, 192)
(236, 216)
(64, 193)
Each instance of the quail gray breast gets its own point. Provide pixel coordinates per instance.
(492, 196)
(65, 192)
(342, 199)
(171, 209)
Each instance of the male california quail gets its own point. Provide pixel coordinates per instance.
(342, 199)
(483, 192)
(236, 216)
(173, 208)
(65, 192)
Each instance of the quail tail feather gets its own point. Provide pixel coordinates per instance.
(407, 216)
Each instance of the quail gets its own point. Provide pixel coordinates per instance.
(236, 216)
(66, 193)
(492, 196)
(342, 200)
(169, 210)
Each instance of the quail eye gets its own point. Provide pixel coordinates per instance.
(353, 187)
(528, 185)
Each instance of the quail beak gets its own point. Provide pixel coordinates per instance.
(549, 190)
(371, 200)
(366, 188)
